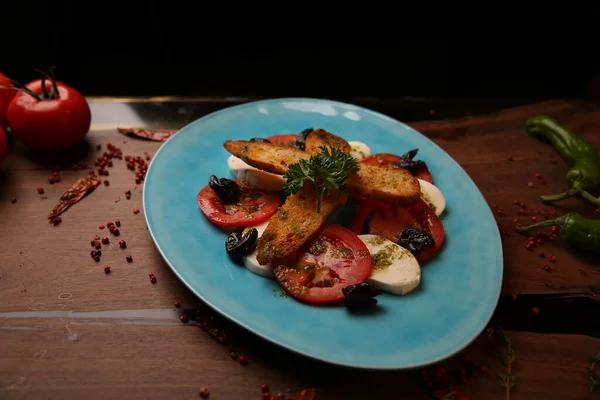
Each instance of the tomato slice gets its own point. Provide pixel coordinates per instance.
(390, 220)
(252, 208)
(333, 259)
(286, 139)
(392, 159)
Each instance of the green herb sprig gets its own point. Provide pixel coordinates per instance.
(591, 370)
(507, 379)
(328, 171)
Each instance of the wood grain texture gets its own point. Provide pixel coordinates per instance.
(44, 268)
(106, 358)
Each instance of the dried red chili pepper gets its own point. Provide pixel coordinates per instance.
(209, 322)
(75, 193)
(152, 134)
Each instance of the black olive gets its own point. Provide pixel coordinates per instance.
(238, 245)
(259, 139)
(361, 296)
(301, 138)
(415, 240)
(407, 162)
(227, 190)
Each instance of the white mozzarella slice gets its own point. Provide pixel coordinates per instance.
(395, 269)
(250, 260)
(432, 196)
(359, 150)
(255, 177)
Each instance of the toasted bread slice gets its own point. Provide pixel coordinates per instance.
(265, 156)
(294, 223)
(384, 183)
(321, 137)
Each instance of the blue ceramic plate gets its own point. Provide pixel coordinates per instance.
(459, 288)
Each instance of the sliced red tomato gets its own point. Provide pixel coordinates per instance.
(424, 174)
(333, 259)
(253, 207)
(286, 139)
(389, 221)
(392, 159)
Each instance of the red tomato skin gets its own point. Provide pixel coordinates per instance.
(49, 125)
(209, 204)
(6, 96)
(389, 221)
(321, 295)
(3, 146)
(287, 139)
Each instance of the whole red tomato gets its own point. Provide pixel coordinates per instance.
(6, 95)
(49, 121)
(3, 146)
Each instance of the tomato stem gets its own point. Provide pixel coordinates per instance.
(20, 86)
(44, 91)
(54, 92)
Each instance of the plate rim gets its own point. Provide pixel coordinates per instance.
(374, 113)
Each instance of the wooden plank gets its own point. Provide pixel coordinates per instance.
(56, 259)
(131, 358)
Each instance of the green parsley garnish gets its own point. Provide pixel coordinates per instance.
(328, 170)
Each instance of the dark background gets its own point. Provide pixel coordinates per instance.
(104, 52)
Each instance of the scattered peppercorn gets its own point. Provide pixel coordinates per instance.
(177, 304)
(40, 190)
(13, 200)
(122, 244)
(101, 227)
(152, 277)
(136, 211)
(552, 259)
(107, 270)
(233, 355)
(105, 240)
(128, 194)
(484, 369)
(56, 221)
(264, 387)
(129, 259)
(530, 184)
(203, 392)
(511, 158)
(106, 183)
(542, 255)
(547, 268)
(243, 360)
(553, 161)
(548, 283)
(266, 396)
(513, 296)
(184, 319)
(116, 232)
(96, 258)
(118, 223)
(535, 310)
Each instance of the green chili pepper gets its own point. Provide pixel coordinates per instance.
(583, 157)
(574, 230)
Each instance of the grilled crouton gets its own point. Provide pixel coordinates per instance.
(385, 183)
(321, 137)
(294, 223)
(266, 156)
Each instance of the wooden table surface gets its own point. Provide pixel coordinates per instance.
(70, 331)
